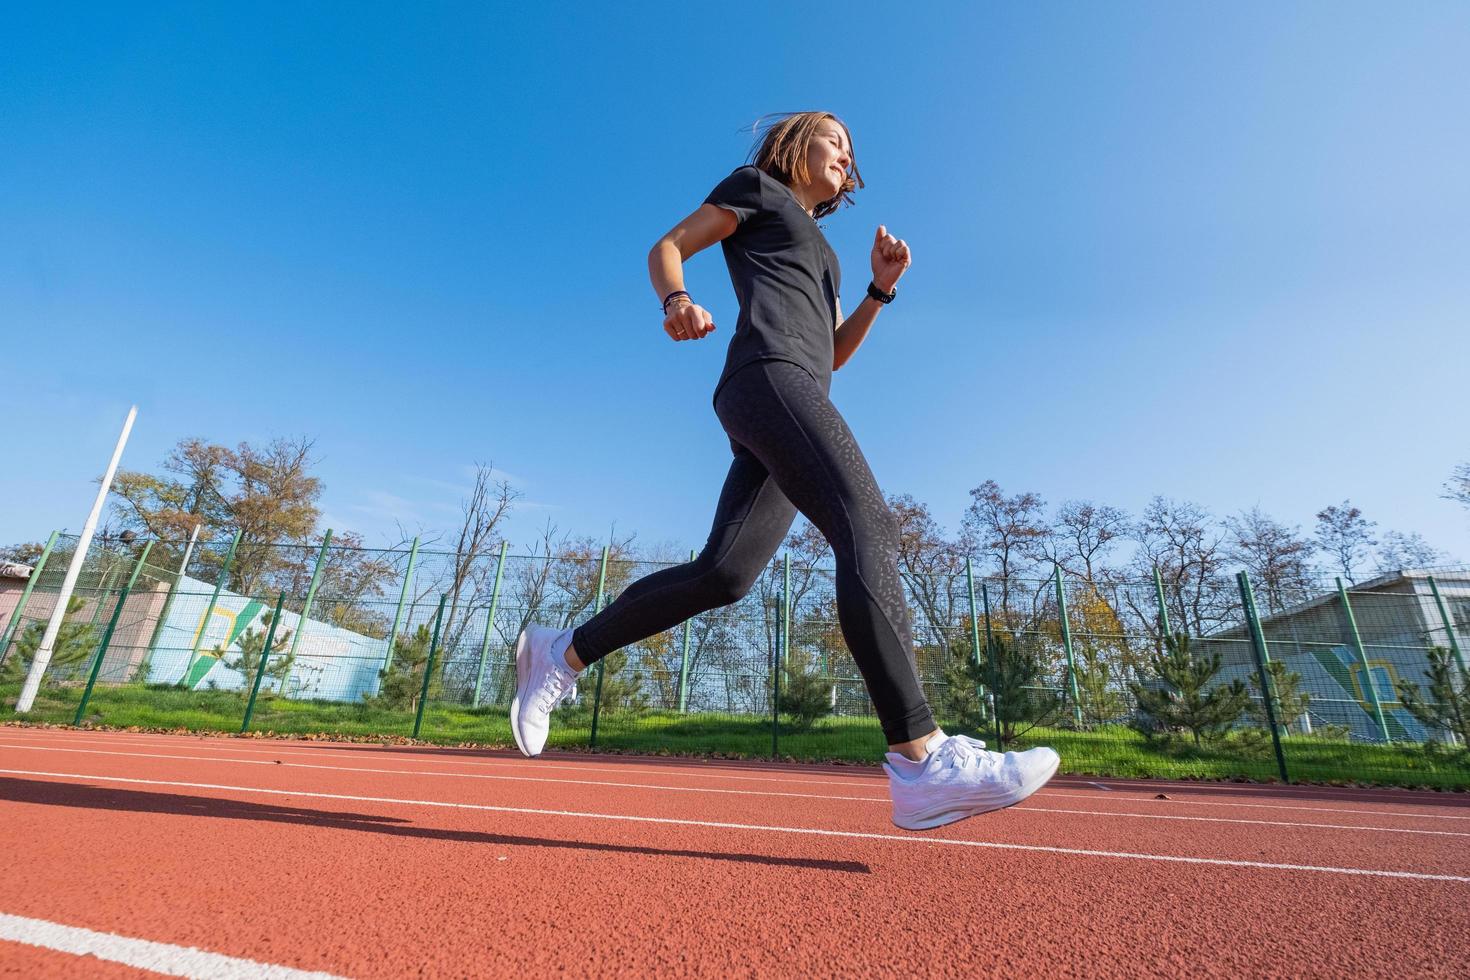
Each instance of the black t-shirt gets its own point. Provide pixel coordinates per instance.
(785, 275)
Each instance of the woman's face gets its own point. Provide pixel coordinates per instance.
(827, 158)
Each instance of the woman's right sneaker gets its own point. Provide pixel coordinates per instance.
(960, 779)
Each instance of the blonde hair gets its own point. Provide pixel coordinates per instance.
(782, 148)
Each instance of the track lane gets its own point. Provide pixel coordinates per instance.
(377, 889)
(1118, 806)
(1016, 827)
(1435, 807)
(1038, 823)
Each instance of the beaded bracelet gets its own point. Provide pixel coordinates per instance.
(677, 292)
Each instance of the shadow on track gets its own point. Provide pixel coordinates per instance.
(92, 797)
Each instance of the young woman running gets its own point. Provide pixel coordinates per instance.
(793, 451)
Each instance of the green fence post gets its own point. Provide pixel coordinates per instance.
(1368, 684)
(684, 661)
(786, 630)
(975, 632)
(783, 621)
(1258, 647)
(219, 584)
(489, 624)
(413, 555)
(1449, 626)
(107, 633)
(418, 718)
(25, 595)
(597, 695)
(316, 580)
(265, 654)
(995, 706)
(1163, 607)
(1067, 648)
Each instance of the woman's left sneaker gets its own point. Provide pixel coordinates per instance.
(543, 681)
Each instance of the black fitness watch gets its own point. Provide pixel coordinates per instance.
(880, 295)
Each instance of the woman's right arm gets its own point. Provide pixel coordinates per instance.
(684, 319)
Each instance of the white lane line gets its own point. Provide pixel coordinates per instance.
(297, 749)
(1044, 794)
(221, 741)
(724, 825)
(440, 774)
(643, 766)
(521, 766)
(640, 765)
(1101, 786)
(706, 789)
(145, 954)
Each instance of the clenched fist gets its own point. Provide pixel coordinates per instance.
(687, 320)
(891, 259)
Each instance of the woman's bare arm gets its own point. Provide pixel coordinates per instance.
(852, 330)
(891, 258)
(684, 319)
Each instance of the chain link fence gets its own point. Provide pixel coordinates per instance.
(1170, 678)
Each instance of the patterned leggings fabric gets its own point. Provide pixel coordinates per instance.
(793, 451)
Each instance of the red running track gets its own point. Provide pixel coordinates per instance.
(387, 861)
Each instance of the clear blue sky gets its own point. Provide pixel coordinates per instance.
(1216, 252)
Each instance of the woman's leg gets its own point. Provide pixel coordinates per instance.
(783, 416)
(751, 521)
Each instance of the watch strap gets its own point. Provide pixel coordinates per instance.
(880, 295)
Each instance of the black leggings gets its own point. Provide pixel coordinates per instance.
(792, 451)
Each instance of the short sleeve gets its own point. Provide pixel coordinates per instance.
(739, 193)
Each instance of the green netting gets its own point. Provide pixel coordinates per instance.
(735, 680)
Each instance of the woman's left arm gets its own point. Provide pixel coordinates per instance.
(891, 259)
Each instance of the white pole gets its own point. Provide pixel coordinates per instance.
(189, 551)
(53, 626)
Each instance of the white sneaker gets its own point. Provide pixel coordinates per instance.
(543, 681)
(960, 779)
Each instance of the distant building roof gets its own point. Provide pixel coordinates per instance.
(14, 569)
(1384, 582)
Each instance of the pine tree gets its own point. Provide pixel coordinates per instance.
(1102, 702)
(76, 642)
(1291, 702)
(1449, 689)
(403, 682)
(1178, 694)
(806, 690)
(1016, 678)
(251, 643)
(622, 688)
(960, 702)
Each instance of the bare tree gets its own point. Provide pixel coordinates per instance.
(1346, 536)
(1277, 558)
(1458, 486)
(470, 569)
(1179, 539)
(1082, 535)
(933, 571)
(1398, 551)
(1006, 534)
